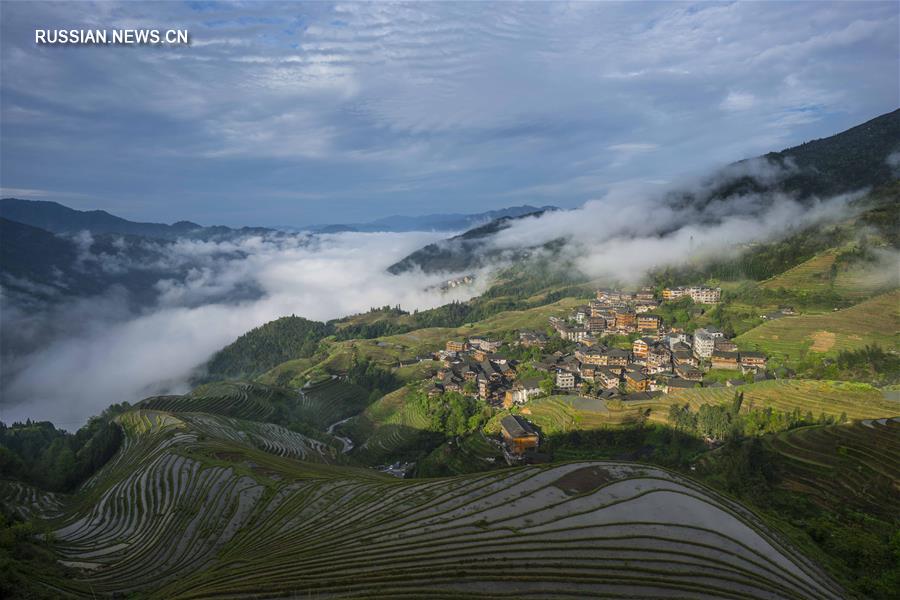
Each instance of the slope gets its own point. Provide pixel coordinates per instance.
(188, 513)
(875, 321)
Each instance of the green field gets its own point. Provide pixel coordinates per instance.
(387, 429)
(858, 401)
(874, 321)
(856, 281)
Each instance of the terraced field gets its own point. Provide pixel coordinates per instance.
(854, 465)
(330, 401)
(874, 321)
(184, 514)
(240, 399)
(858, 281)
(858, 401)
(387, 428)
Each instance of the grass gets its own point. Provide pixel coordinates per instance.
(856, 281)
(874, 321)
(387, 429)
(858, 401)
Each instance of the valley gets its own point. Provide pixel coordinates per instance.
(718, 428)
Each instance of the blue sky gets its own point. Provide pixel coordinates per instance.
(299, 113)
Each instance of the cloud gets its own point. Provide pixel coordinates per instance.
(635, 228)
(738, 101)
(103, 353)
(382, 108)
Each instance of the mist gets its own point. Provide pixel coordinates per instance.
(102, 353)
(633, 229)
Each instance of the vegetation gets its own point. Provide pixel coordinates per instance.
(265, 347)
(273, 526)
(875, 321)
(832, 488)
(42, 455)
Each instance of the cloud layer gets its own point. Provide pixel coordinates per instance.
(103, 354)
(322, 112)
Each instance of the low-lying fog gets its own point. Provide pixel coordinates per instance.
(103, 354)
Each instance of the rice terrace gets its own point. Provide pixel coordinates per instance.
(465, 300)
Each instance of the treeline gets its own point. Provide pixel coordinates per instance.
(871, 364)
(374, 379)
(266, 347)
(721, 422)
(38, 453)
(452, 413)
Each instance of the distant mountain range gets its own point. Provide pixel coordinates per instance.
(865, 156)
(44, 260)
(58, 218)
(432, 222)
(462, 252)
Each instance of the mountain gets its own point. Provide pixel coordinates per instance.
(863, 157)
(432, 222)
(57, 218)
(462, 252)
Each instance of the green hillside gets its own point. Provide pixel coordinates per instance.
(834, 489)
(184, 512)
(875, 321)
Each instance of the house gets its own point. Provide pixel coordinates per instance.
(689, 372)
(705, 340)
(485, 344)
(581, 314)
(625, 319)
(608, 378)
(456, 346)
(522, 391)
(648, 322)
(565, 380)
(532, 339)
(596, 324)
(658, 355)
(700, 295)
(644, 294)
(635, 381)
(645, 306)
(588, 372)
(591, 356)
(673, 339)
(641, 347)
(685, 357)
(518, 434)
(723, 345)
(677, 383)
(616, 357)
(725, 360)
(753, 360)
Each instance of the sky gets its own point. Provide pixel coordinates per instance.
(305, 113)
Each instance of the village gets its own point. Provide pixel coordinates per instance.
(659, 359)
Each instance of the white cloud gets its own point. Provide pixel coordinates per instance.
(738, 101)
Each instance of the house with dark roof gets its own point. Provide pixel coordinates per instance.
(518, 434)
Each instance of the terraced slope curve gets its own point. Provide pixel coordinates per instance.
(187, 510)
(853, 465)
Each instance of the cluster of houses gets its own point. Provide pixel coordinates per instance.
(473, 365)
(615, 312)
(658, 360)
